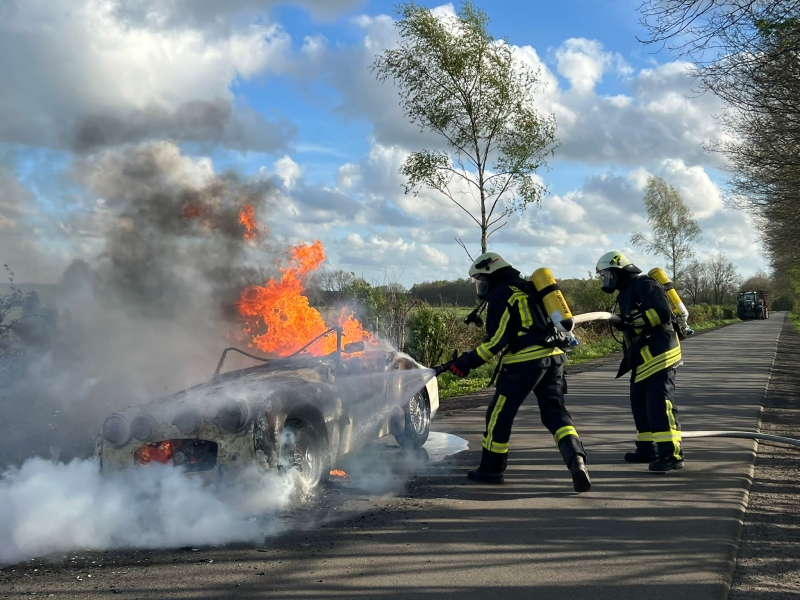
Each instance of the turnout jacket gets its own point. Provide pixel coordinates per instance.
(651, 345)
(516, 319)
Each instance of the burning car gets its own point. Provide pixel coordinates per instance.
(303, 412)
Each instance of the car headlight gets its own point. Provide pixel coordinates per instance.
(187, 422)
(142, 427)
(117, 430)
(233, 416)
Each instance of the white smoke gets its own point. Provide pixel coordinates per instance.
(47, 506)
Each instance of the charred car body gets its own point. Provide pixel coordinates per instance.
(300, 412)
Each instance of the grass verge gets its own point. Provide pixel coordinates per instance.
(451, 386)
(712, 324)
(795, 319)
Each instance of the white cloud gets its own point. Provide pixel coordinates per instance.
(287, 170)
(213, 14)
(76, 69)
(314, 46)
(376, 251)
(570, 230)
(701, 194)
(661, 118)
(435, 256)
(106, 73)
(656, 117)
(583, 62)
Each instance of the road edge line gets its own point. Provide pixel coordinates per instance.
(737, 538)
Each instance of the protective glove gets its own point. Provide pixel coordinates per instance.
(439, 369)
(635, 323)
(623, 324)
(461, 366)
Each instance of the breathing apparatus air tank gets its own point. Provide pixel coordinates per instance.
(554, 302)
(675, 302)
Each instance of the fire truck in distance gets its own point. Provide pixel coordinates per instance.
(752, 305)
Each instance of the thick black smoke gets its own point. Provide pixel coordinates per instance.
(198, 121)
(175, 237)
(152, 313)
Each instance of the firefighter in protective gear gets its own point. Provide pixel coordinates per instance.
(652, 352)
(533, 361)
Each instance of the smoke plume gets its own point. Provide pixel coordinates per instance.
(47, 507)
(152, 313)
(161, 507)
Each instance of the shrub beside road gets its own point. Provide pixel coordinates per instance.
(596, 342)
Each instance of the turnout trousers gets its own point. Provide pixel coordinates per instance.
(658, 431)
(545, 377)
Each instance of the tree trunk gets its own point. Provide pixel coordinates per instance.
(484, 226)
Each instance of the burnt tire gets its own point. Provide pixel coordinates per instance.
(417, 415)
(303, 449)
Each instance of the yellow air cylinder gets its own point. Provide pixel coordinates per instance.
(675, 302)
(554, 302)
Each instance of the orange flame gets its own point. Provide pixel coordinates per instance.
(160, 452)
(278, 314)
(338, 473)
(247, 218)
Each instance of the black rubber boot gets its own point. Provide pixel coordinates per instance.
(639, 457)
(574, 455)
(646, 452)
(490, 469)
(666, 463)
(580, 476)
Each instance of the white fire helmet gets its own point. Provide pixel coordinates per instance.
(616, 269)
(481, 270)
(487, 263)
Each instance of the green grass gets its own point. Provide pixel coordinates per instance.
(451, 386)
(795, 318)
(459, 311)
(712, 324)
(585, 352)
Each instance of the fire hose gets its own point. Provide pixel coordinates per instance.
(595, 316)
(607, 316)
(778, 439)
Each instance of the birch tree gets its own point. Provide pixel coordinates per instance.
(674, 229)
(459, 82)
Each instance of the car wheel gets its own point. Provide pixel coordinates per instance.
(417, 421)
(304, 450)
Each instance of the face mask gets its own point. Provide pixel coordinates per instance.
(481, 286)
(609, 281)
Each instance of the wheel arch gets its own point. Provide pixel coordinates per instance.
(311, 415)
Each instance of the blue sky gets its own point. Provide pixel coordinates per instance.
(290, 100)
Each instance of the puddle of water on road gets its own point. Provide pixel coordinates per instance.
(441, 445)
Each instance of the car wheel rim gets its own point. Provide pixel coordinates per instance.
(305, 460)
(417, 413)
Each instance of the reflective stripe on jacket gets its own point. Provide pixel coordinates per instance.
(653, 345)
(516, 319)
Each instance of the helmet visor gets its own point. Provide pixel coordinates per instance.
(610, 279)
(481, 285)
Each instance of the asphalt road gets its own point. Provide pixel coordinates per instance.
(635, 535)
